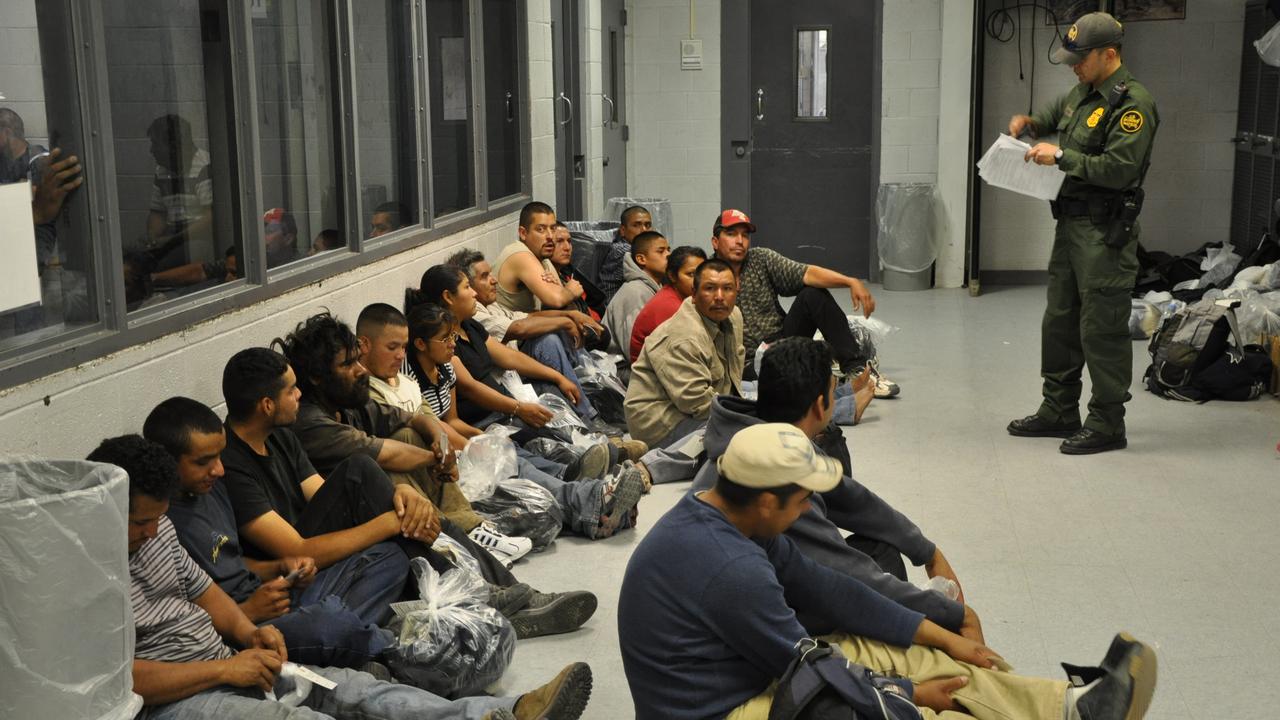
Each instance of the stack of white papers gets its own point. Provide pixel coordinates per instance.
(1003, 166)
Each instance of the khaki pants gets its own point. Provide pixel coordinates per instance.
(446, 496)
(990, 695)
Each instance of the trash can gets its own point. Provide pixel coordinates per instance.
(659, 209)
(907, 244)
(591, 241)
(66, 625)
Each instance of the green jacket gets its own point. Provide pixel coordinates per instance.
(1113, 153)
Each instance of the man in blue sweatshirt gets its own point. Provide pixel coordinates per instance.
(707, 611)
(797, 387)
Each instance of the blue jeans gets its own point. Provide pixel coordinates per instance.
(581, 501)
(359, 696)
(336, 619)
(552, 350)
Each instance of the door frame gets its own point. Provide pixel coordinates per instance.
(735, 113)
(566, 80)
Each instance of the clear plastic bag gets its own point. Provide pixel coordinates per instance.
(65, 614)
(563, 415)
(1258, 317)
(1268, 46)
(487, 459)
(523, 508)
(906, 216)
(600, 368)
(451, 642)
(1218, 264)
(460, 556)
(877, 328)
(760, 351)
(518, 388)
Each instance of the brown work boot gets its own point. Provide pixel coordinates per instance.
(631, 450)
(564, 698)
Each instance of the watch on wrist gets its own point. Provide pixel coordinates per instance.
(1057, 155)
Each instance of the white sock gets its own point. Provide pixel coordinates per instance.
(1073, 696)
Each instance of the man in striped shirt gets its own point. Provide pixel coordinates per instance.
(184, 670)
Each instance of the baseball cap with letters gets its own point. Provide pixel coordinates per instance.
(1090, 32)
(774, 455)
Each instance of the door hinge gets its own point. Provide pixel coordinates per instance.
(623, 13)
(626, 133)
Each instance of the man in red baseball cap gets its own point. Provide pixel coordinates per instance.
(764, 275)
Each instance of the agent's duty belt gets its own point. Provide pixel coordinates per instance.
(1098, 207)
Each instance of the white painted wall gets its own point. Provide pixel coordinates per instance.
(674, 114)
(1192, 68)
(66, 414)
(21, 83)
(909, 92)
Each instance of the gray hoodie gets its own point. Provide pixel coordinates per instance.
(626, 304)
(850, 506)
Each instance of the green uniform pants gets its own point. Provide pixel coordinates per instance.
(1086, 323)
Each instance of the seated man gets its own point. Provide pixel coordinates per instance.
(181, 214)
(591, 505)
(329, 616)
(284, 507)
(797, 387)
(592, 300)
(552, 337)
(526, 278)
(707, 612)
(644, 269)
(765, 275)
(634, 220)
(686, 362)
(338, 419)
(681, 264)
(387, 218)
(183, 666)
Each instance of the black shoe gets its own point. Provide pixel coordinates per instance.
(1125, 682)
(1036, 426)
(1088, 441)
(592, 464)
(554, 613)
(511, 599)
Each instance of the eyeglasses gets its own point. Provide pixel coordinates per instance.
(451, 339)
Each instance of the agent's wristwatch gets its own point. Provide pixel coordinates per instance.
(1057, 156)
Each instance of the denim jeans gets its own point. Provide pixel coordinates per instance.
(336, 620)
(552, 350)
(359, 696)
(580, 501)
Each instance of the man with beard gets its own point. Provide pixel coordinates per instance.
(527, 280)
(337, 420)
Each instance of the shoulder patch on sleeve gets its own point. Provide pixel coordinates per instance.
(1132, 121)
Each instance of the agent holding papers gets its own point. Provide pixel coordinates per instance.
(1105, 126)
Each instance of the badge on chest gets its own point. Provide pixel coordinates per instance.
(1096, 117)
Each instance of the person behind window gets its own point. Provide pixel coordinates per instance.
(181, 193)
(280, 230)
(388, 217)
(326, 240)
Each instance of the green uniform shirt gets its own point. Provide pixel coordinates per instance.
(1102, 148)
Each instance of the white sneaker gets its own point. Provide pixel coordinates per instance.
(885, 388)
(506, 548)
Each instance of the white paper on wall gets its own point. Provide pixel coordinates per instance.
(20, 278)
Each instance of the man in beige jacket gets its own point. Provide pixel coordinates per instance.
(694, 356)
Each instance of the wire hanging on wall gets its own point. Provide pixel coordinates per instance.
(1005, 23)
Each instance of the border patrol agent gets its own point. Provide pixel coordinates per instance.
(1105, 126)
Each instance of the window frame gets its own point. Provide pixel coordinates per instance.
(116, 328)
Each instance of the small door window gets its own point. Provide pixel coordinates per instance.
(812, 73)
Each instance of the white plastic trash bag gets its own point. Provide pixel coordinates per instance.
(65, 617)
(1268, 46)
(487, 459)
(906, 216)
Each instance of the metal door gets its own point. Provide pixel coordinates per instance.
(799, 128)
(567, 104)
(614, 97)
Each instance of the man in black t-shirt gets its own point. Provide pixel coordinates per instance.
(322, 351)
(329, 616)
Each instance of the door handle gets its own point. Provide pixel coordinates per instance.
(569, 116)
(759, 103)
(613, 110)
(511, 116)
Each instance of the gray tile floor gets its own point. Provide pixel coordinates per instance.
(1171, 539)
